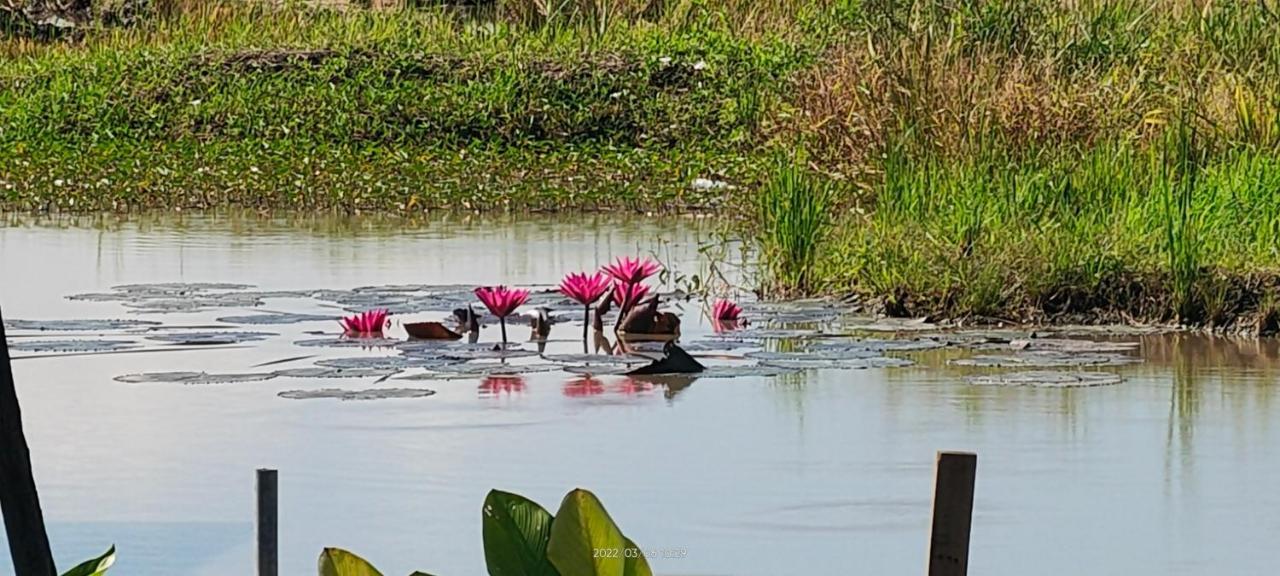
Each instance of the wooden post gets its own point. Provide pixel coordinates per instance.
(23, 521)
(267, 527)
(952, 513)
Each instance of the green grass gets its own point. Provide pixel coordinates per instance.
(994, 159)
(381, 111)
(794, 213)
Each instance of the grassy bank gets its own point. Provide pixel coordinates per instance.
(1022, 160)
(386, 110)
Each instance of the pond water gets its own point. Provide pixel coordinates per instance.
(1171, 471)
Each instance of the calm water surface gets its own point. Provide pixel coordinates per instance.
(1172, 472)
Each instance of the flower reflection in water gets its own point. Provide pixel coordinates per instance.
(633, 387)
(495, 385)
(583, 387)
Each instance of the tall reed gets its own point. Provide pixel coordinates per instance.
(795, 209)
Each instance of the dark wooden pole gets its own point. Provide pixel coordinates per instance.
(952, 513)
(268, 523)
(23, 522)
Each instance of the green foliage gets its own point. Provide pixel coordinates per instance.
(95, 567)
(516, 532)
(794, 214)
(339, 562)
(522, 539)
(586, 542)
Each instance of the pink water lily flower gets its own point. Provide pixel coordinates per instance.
(585, 290)
(502, 302)
(726, 311)
(631, 270)
(368, 323)
(627, 295)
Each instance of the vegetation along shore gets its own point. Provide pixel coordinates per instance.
(1037, 160)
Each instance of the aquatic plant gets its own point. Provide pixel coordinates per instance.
(502, 302)
(627, 296)
(368, 323)
(794, 214)
(726, 310)
(96, 566)
(627, 270)
(725, 315)
(585, 290)
(522, 538)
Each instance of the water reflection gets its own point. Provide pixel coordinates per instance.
(502, 385)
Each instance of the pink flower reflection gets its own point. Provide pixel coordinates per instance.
(582, 387)
(494, 385)
(632, 387)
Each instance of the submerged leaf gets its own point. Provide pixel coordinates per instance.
(516, 532)
(339, 562)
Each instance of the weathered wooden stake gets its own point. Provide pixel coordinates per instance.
(23, 521)
(952, 513)
(268, 523)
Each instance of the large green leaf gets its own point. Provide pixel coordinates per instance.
(586, 542)
(96, 567)
(516, 533)
(339, 562)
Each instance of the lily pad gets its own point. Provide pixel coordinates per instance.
(829, 355)
(1048, 379)
(194, 378)
(746, 371)
(482, 369)
(191, 304)
(1069, 345)
(598, 370)
(210, 338)
(323, 372)
(773, 334)
(852, 364)
(1045, 359)
(278, 318)
(180, 287)
(382, 362)
(504, 354)
(72, 345)
(1110, 330)
(344, 342)
(597, 359)
(891, 345)
(370, 394)
(890, 325)
(76, 325)
(718, 345)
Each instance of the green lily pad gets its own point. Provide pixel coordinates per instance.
(370, 394)
(210, 338)
(71, 345)
(1048, 379)
(194, 378)
(76, 325)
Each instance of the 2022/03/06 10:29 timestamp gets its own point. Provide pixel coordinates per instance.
(651, 553)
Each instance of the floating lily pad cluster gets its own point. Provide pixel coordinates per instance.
(776, 338)
(72, 345)
(1048, 379)
(1019, 350)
